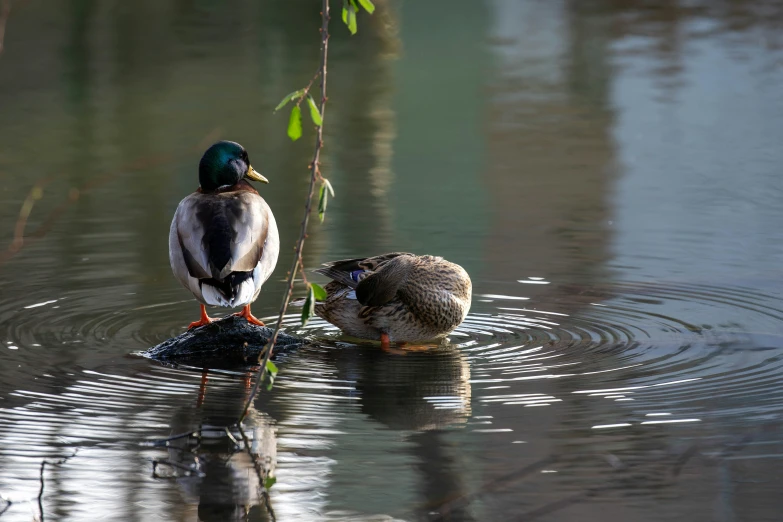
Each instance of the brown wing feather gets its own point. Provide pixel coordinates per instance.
(381, 286)
(340, 271)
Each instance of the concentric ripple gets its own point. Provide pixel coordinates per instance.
(624, 358)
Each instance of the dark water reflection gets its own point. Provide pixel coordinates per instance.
(608, 172)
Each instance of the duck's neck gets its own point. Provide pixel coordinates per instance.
(241, 186)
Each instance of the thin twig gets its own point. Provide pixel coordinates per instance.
(189, 470)
(165, 442)
(41, 479)
(443, 507)
(36, 192)
(5, 11)
(41, 491)
(314, 174)
(306, 90)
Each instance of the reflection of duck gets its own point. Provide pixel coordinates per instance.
(418, 391)
(223, 242)
(230, 477)
(395, 297)
(419, 394)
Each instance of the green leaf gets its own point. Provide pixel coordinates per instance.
(288, 97)
(269, 482)
(368, 6)
(295, 123)
(315, 114)
(270, 383)
(349, 15)
(323, 197)
(318, 292)
(329, 186)
(308, 310)
(271, 368)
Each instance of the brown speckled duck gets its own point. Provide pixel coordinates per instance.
(395, 297)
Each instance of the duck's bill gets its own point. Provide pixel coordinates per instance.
(255, 176)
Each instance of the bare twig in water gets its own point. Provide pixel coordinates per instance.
(8, 502)
(314, 175)
(189, 470)
(165, 442)
(43, 468)
(444, 507)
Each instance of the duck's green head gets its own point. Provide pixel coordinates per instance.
(224, 164)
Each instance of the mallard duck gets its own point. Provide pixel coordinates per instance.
(395, 297)
(223, 242)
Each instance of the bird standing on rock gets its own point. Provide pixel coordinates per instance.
(223, 241)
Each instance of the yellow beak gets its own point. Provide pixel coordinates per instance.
(255, 176)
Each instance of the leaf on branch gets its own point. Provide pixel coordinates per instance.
(323, 197)
(269, 482)
(368, 6)
(295, 123)
(270, 383)
(318, 292)
(308, 310)
(271, 368)
(315, 114)
(349, 15)
(288, 97)
(329, 186)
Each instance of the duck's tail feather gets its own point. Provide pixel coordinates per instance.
(235, 290)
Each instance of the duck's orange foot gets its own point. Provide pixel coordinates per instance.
(205, 319)
(249, 317)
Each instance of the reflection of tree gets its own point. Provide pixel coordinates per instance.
(550, 152)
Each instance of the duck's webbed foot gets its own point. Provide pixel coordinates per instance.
(205, 319)
(386, 345)
(249, 317)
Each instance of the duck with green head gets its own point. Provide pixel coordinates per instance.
(223, 241)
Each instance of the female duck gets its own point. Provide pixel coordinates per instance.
(223, 242)
(395, 297)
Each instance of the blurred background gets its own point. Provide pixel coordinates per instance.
(608, 172)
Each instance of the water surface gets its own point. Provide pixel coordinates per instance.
(607, 172)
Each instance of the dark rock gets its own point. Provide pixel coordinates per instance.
(228, 341)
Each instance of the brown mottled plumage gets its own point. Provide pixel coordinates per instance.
(407, 297)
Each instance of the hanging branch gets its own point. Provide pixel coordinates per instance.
(314, 291)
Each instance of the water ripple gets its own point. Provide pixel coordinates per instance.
(635, 360)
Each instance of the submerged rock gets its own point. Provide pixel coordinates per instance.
(230, 340)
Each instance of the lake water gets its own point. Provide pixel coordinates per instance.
(609, 173)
